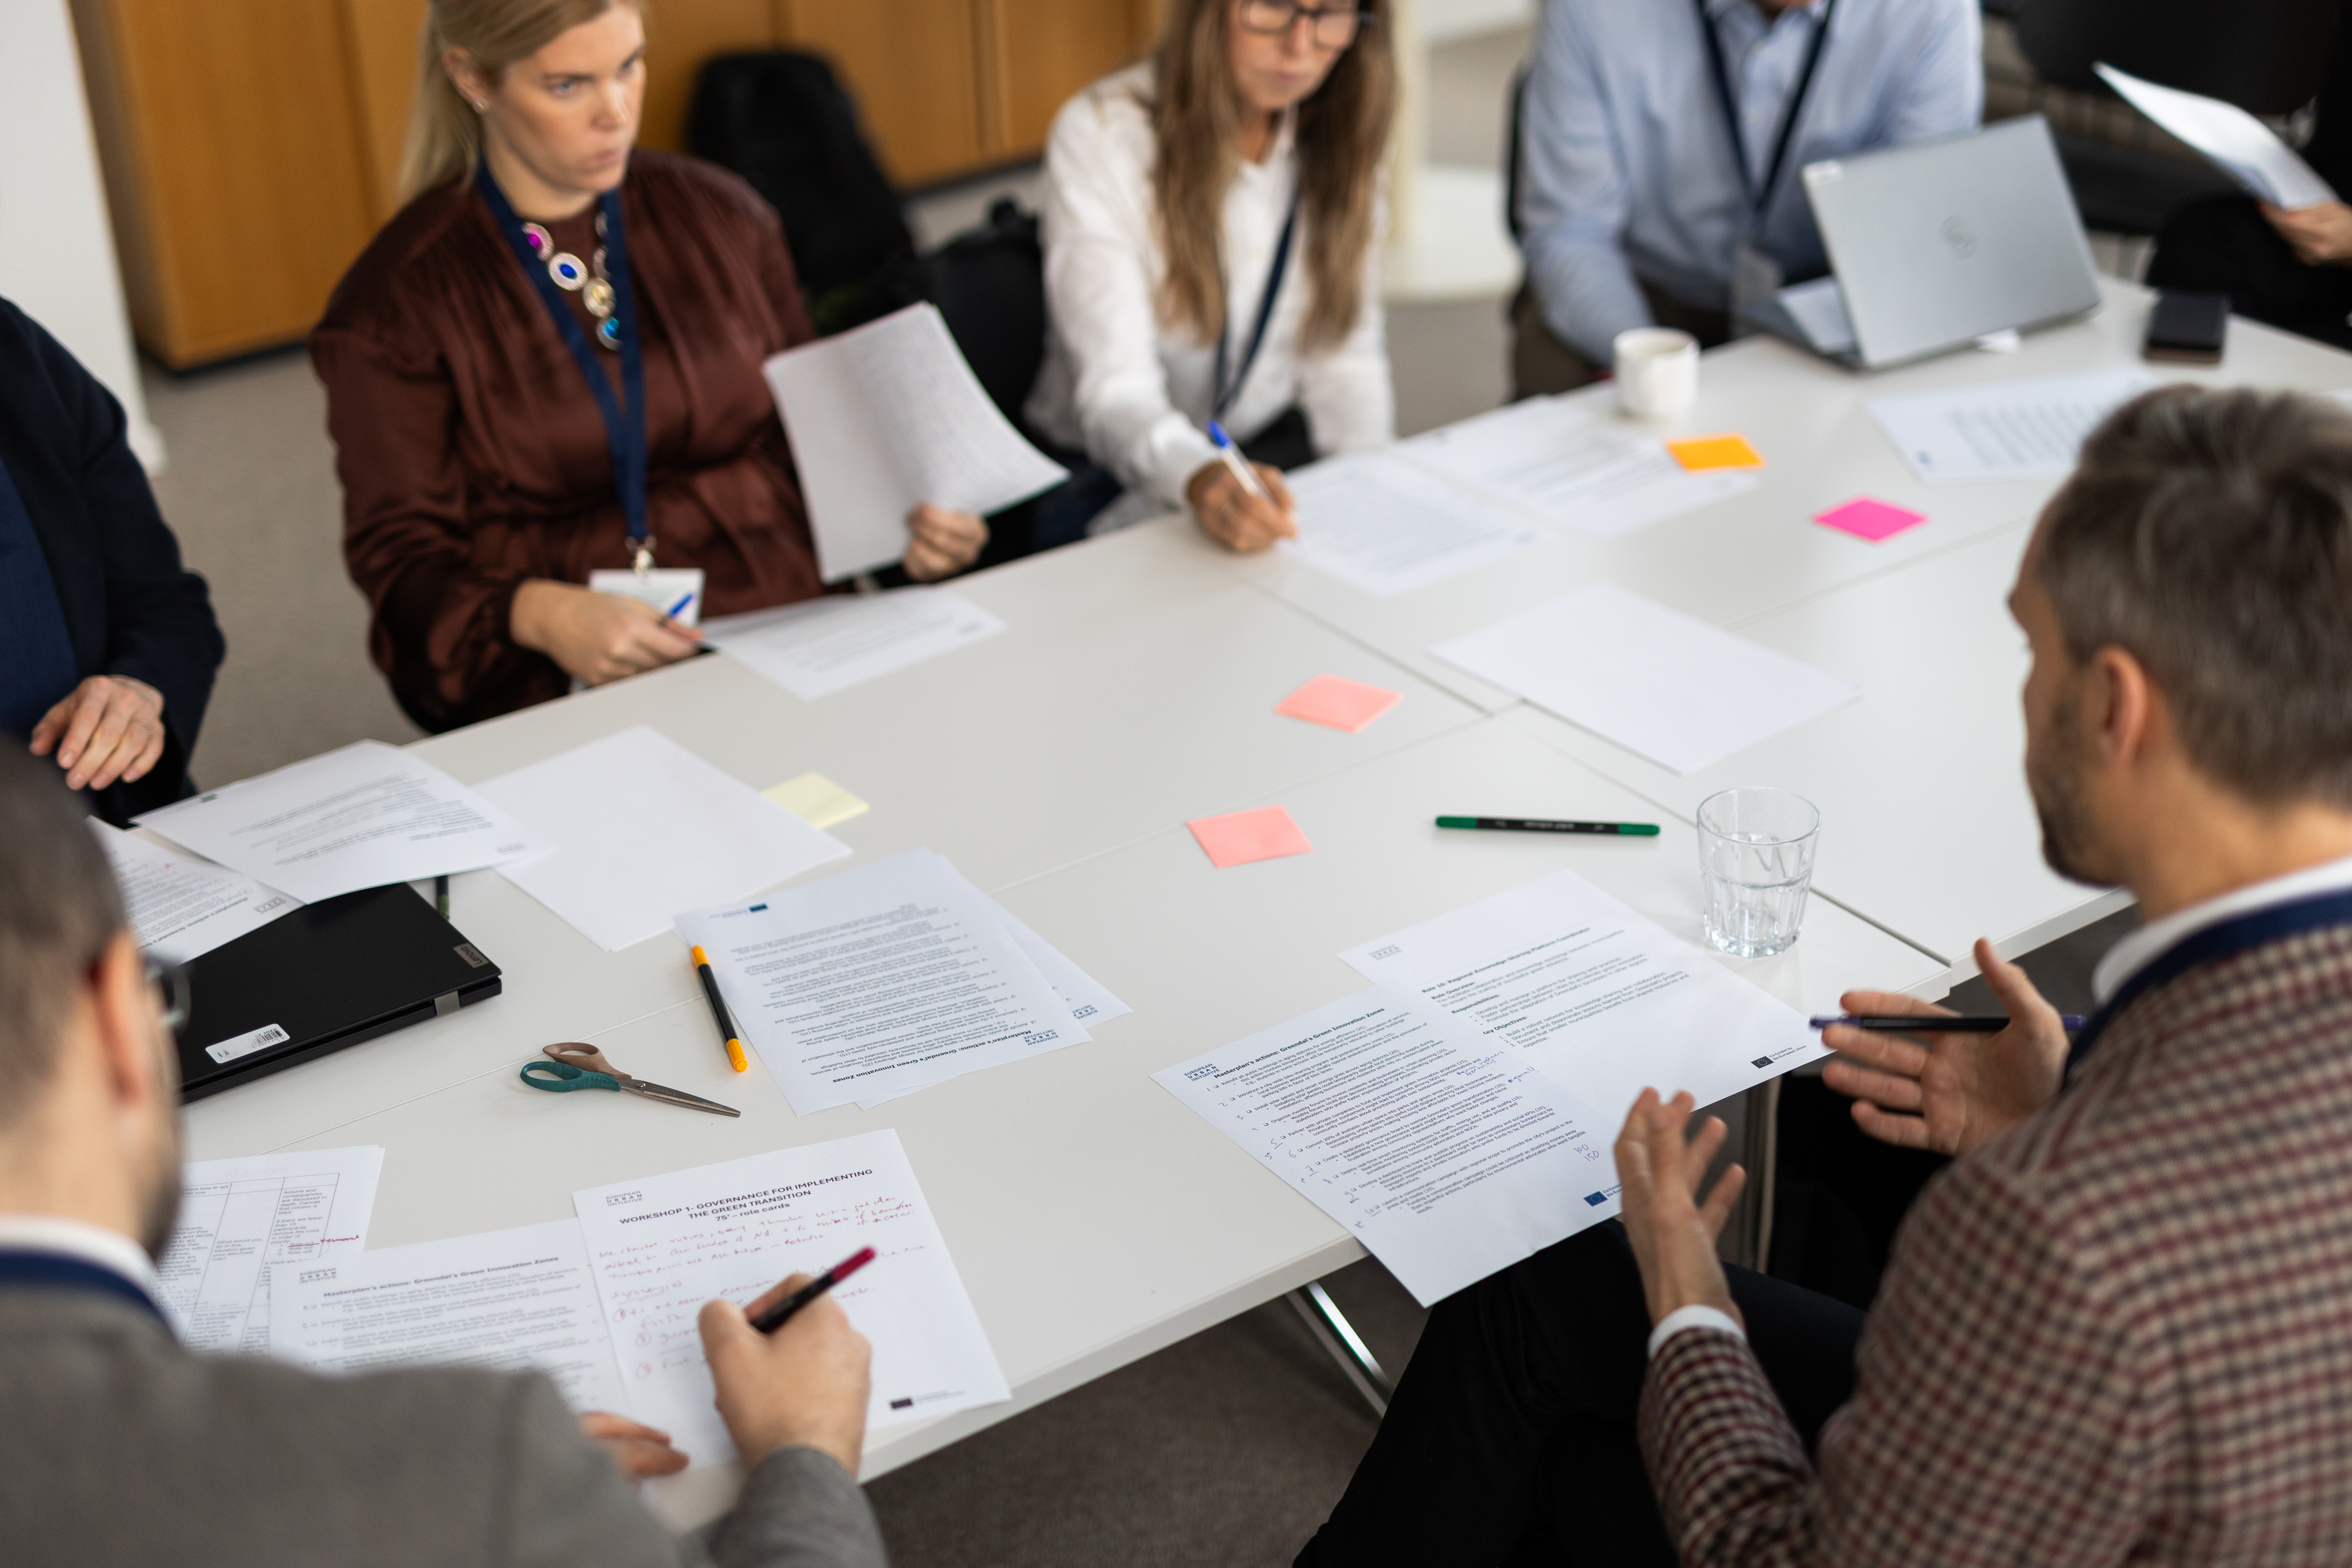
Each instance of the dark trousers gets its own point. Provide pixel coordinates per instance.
(1511, 1438)
(2225, 246)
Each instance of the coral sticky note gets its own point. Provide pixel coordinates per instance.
(1867, 519)
(1699, 452)
(1341, 704)
(1238, 838)
(816, 800)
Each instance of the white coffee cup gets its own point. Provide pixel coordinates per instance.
(1657, 371)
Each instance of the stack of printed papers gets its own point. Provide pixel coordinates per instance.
(882, 980)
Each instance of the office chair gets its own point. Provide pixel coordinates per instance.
(2267, 56)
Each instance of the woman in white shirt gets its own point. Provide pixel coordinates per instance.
(1245, 152)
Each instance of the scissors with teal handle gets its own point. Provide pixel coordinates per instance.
(578, 1066)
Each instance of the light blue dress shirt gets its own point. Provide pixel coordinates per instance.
(1626, 169)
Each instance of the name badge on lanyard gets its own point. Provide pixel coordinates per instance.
(1755, 276)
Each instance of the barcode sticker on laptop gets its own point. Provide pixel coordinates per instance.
(267, 1035)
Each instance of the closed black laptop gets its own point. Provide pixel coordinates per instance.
(331, 974)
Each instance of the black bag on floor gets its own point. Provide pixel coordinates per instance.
(780, 121)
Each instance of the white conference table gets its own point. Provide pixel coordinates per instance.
(1093, 1218)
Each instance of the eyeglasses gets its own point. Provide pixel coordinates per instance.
(1331, 26)
(171, 984)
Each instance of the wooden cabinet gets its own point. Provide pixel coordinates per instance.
(233, 166)
(252, 147)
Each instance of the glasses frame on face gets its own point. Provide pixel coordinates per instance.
(1321, 21)
(170, 985)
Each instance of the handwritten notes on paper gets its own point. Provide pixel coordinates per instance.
(1446, 1154)
(240, 1218)
(661, 1247)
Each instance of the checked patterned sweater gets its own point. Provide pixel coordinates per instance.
(2119, 1332)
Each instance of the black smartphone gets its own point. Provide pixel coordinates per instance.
(2185, 328)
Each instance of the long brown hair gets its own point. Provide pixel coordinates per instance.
(1342, 134)
(444, 135)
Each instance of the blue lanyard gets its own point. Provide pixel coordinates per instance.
(1759, 201)
(624, 430)
(1222, 390)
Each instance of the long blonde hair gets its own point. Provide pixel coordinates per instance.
(444, 135)
(1342, 134)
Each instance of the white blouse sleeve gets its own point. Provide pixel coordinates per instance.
(1100, 275)
(1350, 399)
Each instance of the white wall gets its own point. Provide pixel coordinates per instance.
(57, 247)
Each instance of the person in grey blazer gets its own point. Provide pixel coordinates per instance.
(119, 1445)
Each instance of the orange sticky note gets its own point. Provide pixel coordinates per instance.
(1341, 704)
(1728, 451)
(1238, 838)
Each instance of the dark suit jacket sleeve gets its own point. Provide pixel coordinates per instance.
(2000, 1412)
(158, 625)
(566, 1507)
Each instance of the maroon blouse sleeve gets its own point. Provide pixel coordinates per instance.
(437, 624)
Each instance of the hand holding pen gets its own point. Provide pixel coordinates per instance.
(1948, 1090)
(1244, 506)
(801, 1383)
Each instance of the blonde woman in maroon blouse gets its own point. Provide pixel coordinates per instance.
(484, 476)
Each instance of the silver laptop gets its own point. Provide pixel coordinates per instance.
(1935, 245)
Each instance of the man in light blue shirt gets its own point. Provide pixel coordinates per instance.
(1633, 207)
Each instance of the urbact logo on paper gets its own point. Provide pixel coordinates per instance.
(1200, 1073)
(309, 1275)
(1388, 952)
(614, 1199)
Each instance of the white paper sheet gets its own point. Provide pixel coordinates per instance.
(878, 981)
(1599, 995)
(1385, 527)
(1573, 460)
(643, 827)
(2010, 430)
(365, 816)
(662, 1246)
(889, 415)
(181, 905)
(1449, 1156)
(1089, 1001)
(2239, 145)
(827, 646)
(1676, 690)
(508, 1300)
(239, 1219)
(676, 592)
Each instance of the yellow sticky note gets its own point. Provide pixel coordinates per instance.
(1700, 452)
(816, 800)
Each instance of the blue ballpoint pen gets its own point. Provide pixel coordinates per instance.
(671, 613)
(1233, 460)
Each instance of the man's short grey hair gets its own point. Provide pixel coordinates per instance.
(2208, 534)
(58, 909)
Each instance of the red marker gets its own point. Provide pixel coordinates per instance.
(773, 1318)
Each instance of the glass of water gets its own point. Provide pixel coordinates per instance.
(1755, 867)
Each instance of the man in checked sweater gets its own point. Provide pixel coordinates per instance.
(2119, 1327)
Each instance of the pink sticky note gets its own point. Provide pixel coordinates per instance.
(1867, 519)
(1238, 838)
(1341, 704)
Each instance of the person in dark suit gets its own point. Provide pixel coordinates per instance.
(120, 1446)
(108, 645)
(2290, 268)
